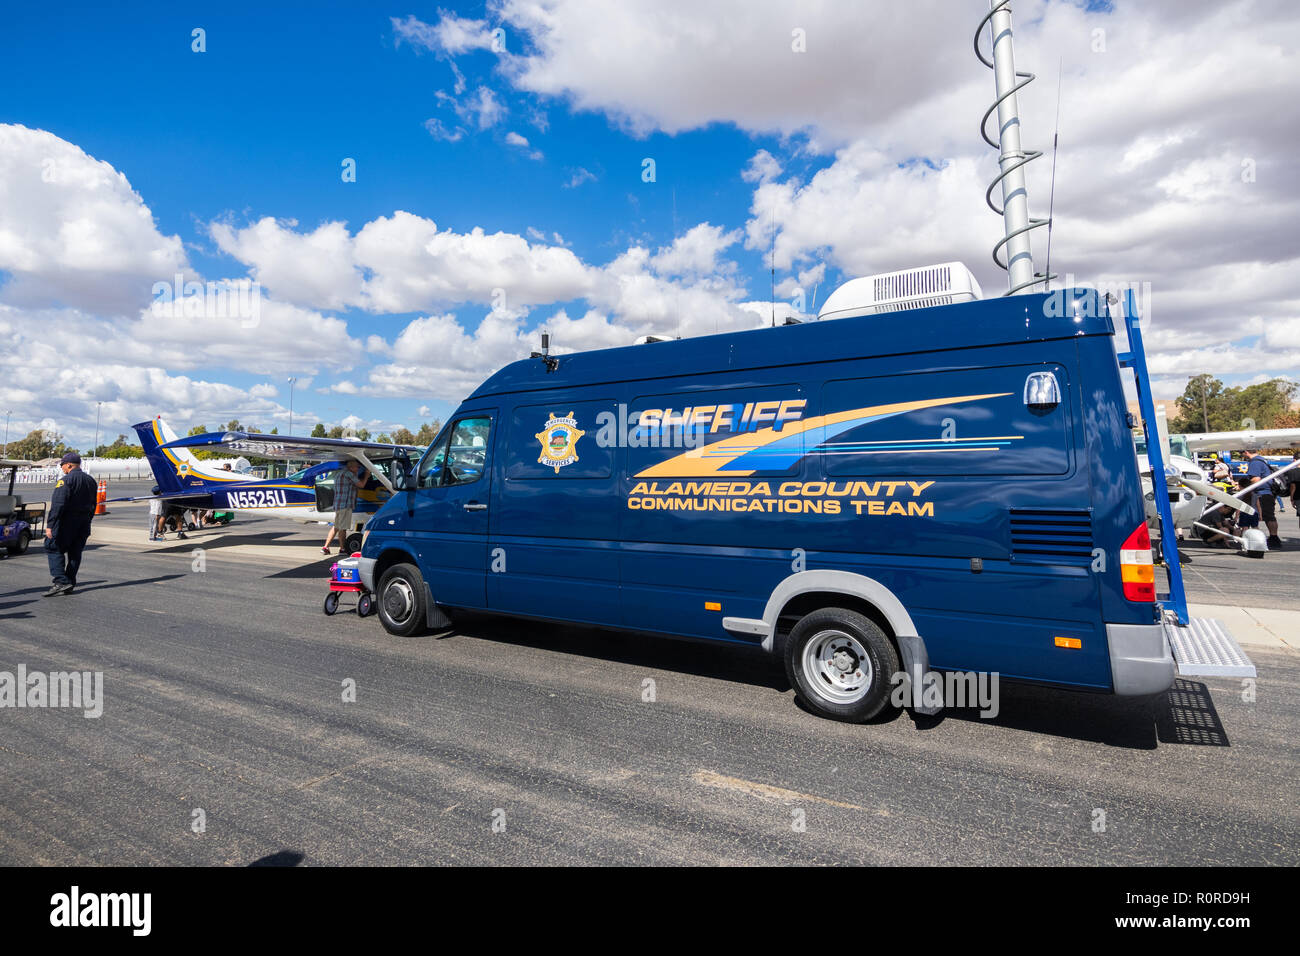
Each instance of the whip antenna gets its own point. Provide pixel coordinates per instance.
(772, 261)
(1051, 197)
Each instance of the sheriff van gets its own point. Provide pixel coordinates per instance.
(949, 487)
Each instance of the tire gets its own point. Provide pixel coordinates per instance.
(331, 602)
(365, 605)
(841, 664)
(20, 546)
(401, 601)
(353, 542)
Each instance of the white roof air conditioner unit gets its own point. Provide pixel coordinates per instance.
(941, 284)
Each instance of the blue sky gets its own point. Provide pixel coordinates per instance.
(861, 148)
(259, 124)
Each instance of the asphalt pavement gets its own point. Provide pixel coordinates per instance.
(227, 702)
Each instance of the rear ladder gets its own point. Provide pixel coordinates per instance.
(1202, 647)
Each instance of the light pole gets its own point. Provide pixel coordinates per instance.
(94, 449)
(8, 412)
(288, 468)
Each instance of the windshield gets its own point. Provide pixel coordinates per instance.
(1177, 445)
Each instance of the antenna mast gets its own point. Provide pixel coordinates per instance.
(1012, 157)
(772, 263)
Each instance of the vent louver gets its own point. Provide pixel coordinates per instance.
(1053, 537)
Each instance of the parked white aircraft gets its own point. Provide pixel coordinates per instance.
(1250, 439)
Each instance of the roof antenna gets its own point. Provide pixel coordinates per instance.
(1012, 156)
(1051, 199)
(677, 292)
(550, 361)
(773, 262)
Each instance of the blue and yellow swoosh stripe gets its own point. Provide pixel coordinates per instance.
(772, 450)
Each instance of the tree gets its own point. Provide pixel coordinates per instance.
(1206, 405)
(318, 431)
(363, 434)
(234, 426)
(383, 439)
(38, 444)
(1201, 392)
(336, 432)
(427, 433)
(121, 449)
(403, 436)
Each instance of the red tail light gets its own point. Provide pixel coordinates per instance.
(1137, 571)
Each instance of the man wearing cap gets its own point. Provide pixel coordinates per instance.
(67, 525)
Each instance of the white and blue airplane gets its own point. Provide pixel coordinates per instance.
(306, 495)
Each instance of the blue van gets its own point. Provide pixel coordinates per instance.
(950, 488)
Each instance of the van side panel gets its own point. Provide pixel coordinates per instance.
(910, 468)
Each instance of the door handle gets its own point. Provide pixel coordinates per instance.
(475, 506)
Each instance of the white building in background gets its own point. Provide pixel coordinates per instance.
(114, 469)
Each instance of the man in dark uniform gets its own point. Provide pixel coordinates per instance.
(67, 525)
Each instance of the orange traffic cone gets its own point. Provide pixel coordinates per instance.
(100, 497)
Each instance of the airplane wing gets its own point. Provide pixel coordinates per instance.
(1237, 441)
(293, 448)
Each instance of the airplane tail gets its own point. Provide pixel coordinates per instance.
(172, 467)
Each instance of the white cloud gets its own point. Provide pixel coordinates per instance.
(762, 167)
(314, 268)
(402, 263)
(651, 68)
(696, 252)
(440, 130)
(515, 139)
(72, 230)
(450, 35)
(578, 177)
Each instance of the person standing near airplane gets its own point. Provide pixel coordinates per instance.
(1257, 469)
(347, 480)
(67, 526)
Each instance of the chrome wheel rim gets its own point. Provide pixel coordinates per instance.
(399, 601)
(837, 666)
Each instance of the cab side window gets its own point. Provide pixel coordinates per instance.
(460, 458)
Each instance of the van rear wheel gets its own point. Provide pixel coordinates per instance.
(841, 664)
(401, 601)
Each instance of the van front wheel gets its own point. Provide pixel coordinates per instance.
(841, 664)
(401, 600)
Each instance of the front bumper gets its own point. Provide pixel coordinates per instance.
(1141, 661)
(367, 568)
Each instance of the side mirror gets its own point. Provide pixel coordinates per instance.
(402, 475)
